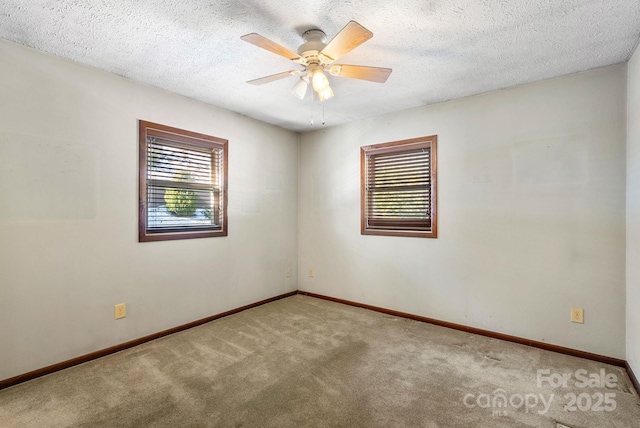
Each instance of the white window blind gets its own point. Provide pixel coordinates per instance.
(399, 190)
(182, 184)
(398, 187)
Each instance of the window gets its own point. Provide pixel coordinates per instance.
(183, 184)
(398, 196)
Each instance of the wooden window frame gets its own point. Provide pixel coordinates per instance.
(398, 147)
(187, 139)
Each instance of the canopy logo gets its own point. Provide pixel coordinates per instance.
(500, 403)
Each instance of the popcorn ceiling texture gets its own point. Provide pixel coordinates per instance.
(439, 50)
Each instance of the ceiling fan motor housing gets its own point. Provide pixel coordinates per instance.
(313, 44)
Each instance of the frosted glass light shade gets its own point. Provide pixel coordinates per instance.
(320, 81)
(299, 90)
(325, 94)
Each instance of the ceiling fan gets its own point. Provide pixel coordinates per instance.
(317, 57)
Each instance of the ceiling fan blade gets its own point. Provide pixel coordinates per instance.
(349, 38)
(269, 45)
(372, 74)
(274, 77)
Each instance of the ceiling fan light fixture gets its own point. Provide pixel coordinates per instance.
(299, 90)
(319, 80)
(320, 84)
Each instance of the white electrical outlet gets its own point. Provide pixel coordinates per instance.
(287, 273)
(577, 315)
(310, 273)
(120, 311)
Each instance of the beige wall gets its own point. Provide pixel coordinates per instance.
(531, 214)
(68, 214)
(633, 214)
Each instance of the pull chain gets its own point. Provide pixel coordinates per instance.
(312, 122)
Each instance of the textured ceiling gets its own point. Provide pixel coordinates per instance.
(438, 50)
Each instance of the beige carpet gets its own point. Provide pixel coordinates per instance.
(305, 362)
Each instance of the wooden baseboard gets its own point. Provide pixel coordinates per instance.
(632, 376)
(130, 344)
(542, 345)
